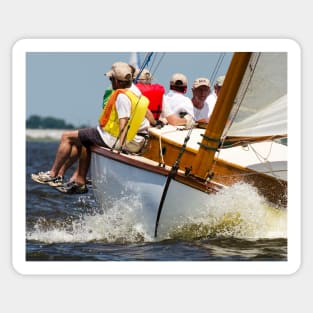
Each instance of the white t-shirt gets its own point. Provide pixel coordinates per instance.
(175, 103)
(202, 113)
(123, 108)
(210, 101)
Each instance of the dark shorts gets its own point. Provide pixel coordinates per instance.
(89, 137)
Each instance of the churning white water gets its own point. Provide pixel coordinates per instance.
(238, 212)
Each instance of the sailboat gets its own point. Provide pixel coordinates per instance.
(245, 141)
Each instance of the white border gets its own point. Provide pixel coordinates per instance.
(154, 268)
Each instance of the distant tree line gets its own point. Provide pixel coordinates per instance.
(36, 121)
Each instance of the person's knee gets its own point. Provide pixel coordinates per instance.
(65, 136)
(70, 137)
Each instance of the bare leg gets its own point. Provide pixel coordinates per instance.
(75, 154)
(75, 174)
(81, 171)
(68, 140)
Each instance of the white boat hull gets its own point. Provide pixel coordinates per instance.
(131, 194)
(115, 182)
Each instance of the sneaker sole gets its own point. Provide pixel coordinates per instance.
(36, 179)
(70, 192)
(53, 184)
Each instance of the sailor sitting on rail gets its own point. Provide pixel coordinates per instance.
(121, 119)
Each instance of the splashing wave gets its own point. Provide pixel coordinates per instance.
(238, 212)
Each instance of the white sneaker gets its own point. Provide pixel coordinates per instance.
(45, 178)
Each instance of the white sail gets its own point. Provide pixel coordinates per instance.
(270, 121)
(262, 97)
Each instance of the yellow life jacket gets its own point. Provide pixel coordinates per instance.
(109, 120)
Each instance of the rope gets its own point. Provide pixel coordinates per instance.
(161, 151)
(264, 160)
(160, 142)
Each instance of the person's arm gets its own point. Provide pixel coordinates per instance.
(203, 120)
(153, 122)
(123, 127)
(173, 119)
(150, 118)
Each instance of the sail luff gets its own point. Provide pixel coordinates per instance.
(210, 142)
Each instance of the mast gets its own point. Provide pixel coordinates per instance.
(204, 159)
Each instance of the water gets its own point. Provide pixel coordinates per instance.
(240, 226)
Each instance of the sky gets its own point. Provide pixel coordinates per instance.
(70, 85)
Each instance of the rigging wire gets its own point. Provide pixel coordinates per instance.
(143, 65)
(154, 70)
(217, 66)
(238, 101)
(241, 93)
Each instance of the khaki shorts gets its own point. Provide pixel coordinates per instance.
(136, 144)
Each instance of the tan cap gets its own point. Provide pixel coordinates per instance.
(202, 81)
(121, 71)
(144, 75)
(220, 80)
(178, 80)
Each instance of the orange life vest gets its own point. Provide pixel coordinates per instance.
(109, 121)
(154, 92)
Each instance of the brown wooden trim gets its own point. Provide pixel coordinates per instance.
(124, 158)
(194, 182)
(190, 181)
(225, 173)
